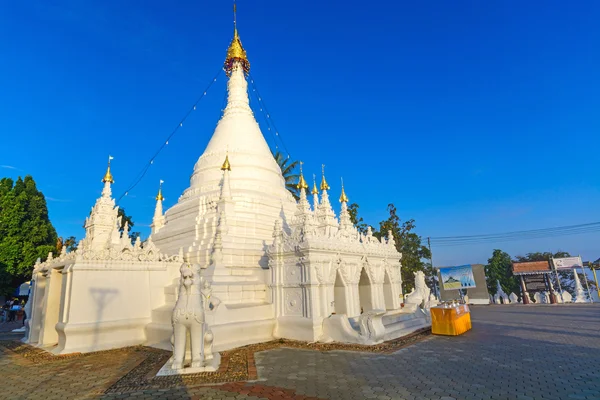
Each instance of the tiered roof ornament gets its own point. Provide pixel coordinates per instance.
(324, 212)
(315, 193)
(236, 51)
(226, 165)
(343, 197)
(346, 227)
(159, 196)
(301, 181)
(324, 185)
(303, 217)
(108, 178)
(159, 219)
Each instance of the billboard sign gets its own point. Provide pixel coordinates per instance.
(567, 263)
(535, 283)
(459, 277)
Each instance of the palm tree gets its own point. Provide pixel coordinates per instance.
(288, 170)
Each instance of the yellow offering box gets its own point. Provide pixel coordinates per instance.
(451, 321)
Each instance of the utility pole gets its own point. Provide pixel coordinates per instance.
(594, 268)
(586, 279)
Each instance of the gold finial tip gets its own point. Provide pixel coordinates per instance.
(343, 197)
(108, 176)
(324, 185)
(314, 189)
(301, 181)
(236, 51)
(226, 165)
(159, 196)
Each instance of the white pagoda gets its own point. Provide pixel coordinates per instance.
(280, 268)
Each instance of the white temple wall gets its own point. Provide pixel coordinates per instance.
(89, 306)
(308, 284)
(37, 305)
(52, 308)
(366, 295)
(340, 298)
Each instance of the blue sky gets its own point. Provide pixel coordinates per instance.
(471, 117)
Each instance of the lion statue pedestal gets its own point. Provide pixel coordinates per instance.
(192, 338)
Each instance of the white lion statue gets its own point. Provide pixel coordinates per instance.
(420, 294)
(189, 315)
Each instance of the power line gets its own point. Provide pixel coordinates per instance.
(266, 120)
(144, 170)
(516, 235)
(270, 122)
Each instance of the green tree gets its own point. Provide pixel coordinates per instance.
(71, 243)
(127, 219)
(355, 219)
(409, 244)
(25, 231)
(288, 170)
(499, 269)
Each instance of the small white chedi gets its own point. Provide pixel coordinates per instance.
(580, 296)
(501, 297)
(280, 268)
(101, 295)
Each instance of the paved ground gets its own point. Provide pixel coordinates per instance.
(513, 352)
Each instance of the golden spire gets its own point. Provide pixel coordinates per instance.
(159, 196)
(324, 185)
(315, 190)
(301, 182)
(226, 166)
(108, 176)
(236, 51)
(343, 197)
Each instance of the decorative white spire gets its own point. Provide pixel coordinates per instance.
(159, 219)
(324, 213)
(107, 180)
(303, 217)
(579, 292)
(303, 205)
(345, 221)
(315, 193)
(225, 187)
(101, 227)
(237, 88)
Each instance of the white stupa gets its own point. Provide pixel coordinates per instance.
(278, 267)
(579, 293)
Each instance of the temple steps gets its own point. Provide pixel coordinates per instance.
(241, 288)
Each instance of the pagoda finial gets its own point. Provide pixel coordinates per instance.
(108, 176)
(236, 51)
(301, 182)
(226, 166)
(234, 16)
(314, 189)
(324, 185)
(159, 196)
(343, 197)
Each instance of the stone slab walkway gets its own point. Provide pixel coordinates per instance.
(513, 352)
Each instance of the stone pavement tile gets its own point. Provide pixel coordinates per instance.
(513, 352)
(488, 362)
